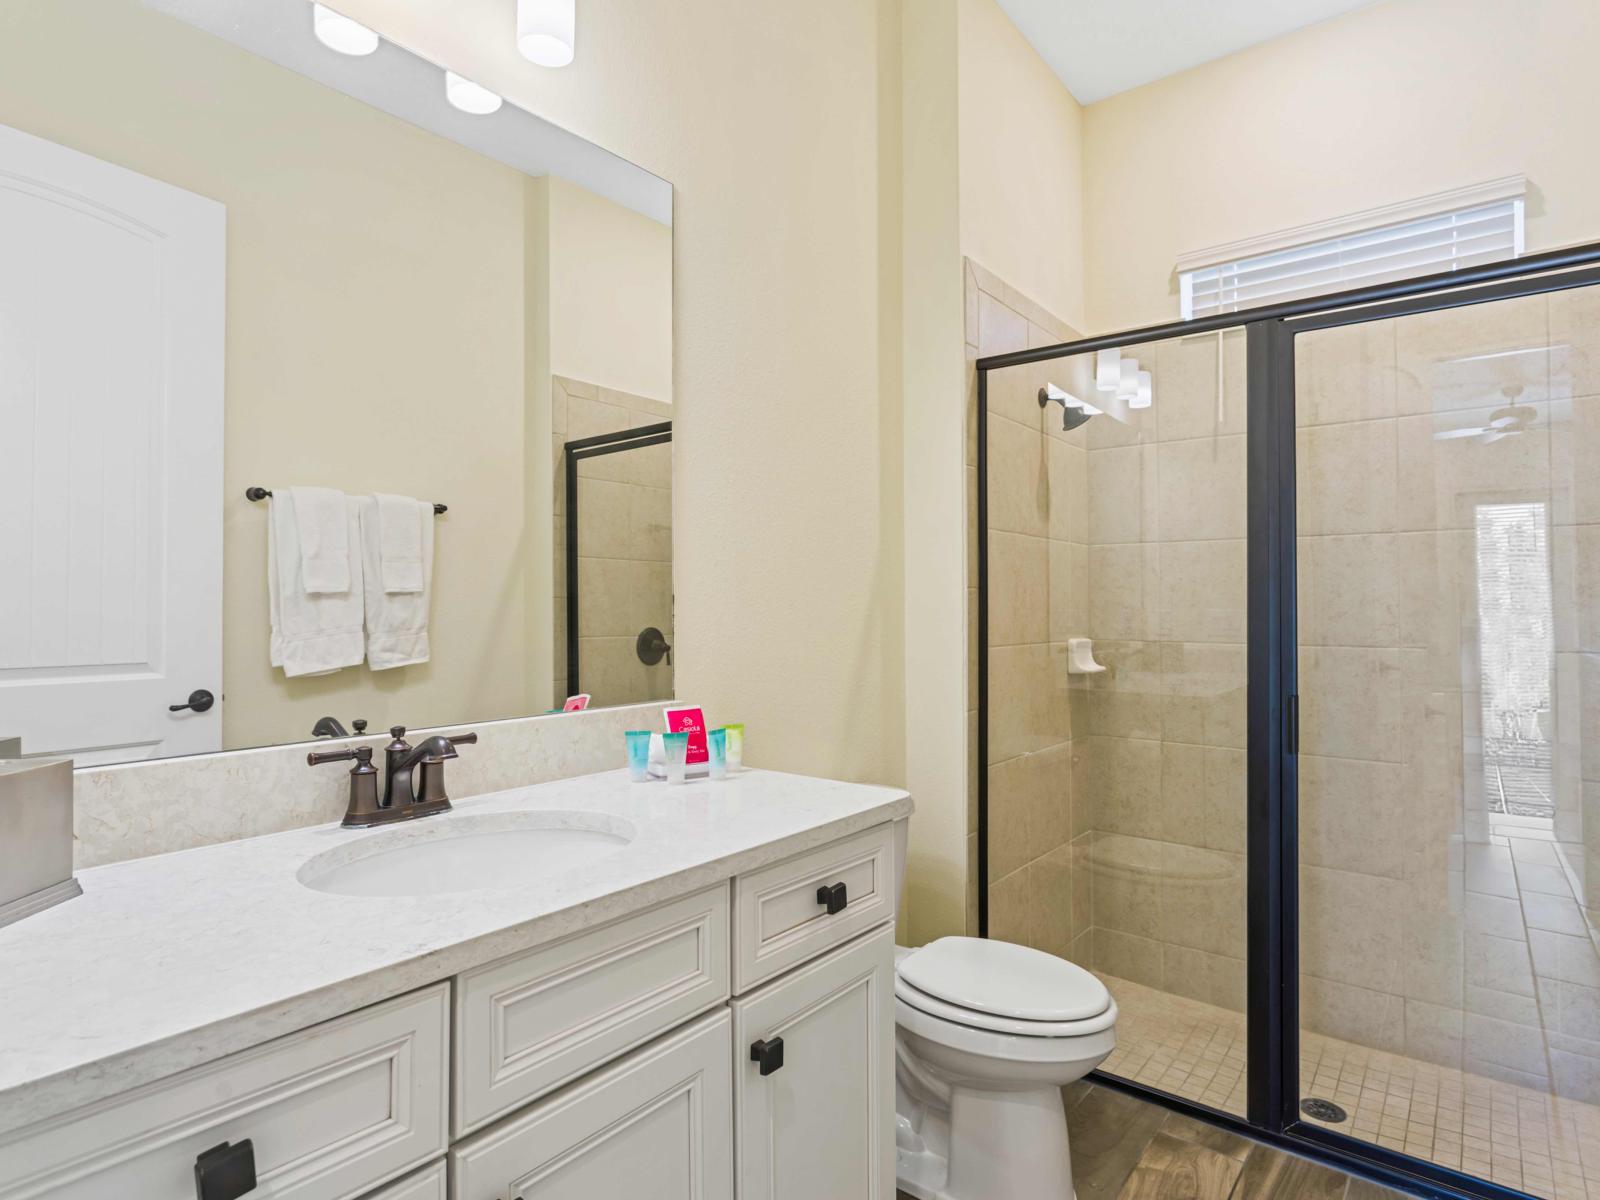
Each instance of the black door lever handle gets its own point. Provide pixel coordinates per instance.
(199, 701)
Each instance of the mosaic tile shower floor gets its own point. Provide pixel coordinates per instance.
(1512, 1135)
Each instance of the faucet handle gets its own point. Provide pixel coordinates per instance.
(364, 808)
(362, 755)
(462, 739)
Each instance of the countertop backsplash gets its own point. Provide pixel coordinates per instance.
(136, 809)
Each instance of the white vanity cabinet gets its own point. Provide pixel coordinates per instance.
(614, 1061)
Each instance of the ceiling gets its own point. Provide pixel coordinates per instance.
(1101, 47)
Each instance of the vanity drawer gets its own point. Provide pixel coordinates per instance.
(426, 1184)
(527, 1024)
(779, 921)
(332, 1112)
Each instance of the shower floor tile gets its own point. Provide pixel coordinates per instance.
(1517, 1136)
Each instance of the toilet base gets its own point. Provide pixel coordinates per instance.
(1007, 1145)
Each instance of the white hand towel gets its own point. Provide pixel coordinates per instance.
(397, 622)
(313, 633)
(320, 519)
(401, 521)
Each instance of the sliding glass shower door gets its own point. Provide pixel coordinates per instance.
(1447, 511)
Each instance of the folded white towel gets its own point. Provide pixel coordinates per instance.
(321, 518)
(401, 521)
(397, 622)
(313, 633)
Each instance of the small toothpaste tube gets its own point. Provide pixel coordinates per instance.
(677, 750)
(638, 755)
(717, 745)
(735, 736)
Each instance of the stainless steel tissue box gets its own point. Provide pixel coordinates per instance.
(35, 836)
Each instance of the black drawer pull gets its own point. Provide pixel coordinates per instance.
(225, 1172)
(769, 1053)
(834, 897)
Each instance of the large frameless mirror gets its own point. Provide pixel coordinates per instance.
(295, 327)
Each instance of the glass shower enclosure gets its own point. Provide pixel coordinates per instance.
(1289, 712)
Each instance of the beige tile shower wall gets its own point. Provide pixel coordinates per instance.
(1038, 893)
(625, 562)
(155, 807)
(1161, 734)
(1423, 929)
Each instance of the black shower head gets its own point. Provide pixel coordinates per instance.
(1072, 415)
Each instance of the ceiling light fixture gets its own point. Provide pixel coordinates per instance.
(338, 32)
(469, 97)
(547, 31)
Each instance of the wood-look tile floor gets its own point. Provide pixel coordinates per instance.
(1124, 1148)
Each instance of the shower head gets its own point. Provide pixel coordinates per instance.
(1074, 412)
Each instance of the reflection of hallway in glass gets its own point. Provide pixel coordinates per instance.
(1516, 646)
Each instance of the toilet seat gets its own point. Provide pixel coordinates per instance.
(945, 1011)
(1003, 988)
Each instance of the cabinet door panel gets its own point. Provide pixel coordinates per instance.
(822, 1124)
(653, 1126)
(426, 1184)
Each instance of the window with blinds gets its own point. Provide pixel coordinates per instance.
(1443, 241)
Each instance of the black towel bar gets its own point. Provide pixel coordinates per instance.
(261, 493)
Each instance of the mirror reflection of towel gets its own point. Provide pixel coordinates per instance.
(396, 612)
(313, 632)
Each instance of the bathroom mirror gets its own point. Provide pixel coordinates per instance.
(249, 249)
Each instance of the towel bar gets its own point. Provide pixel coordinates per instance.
(261, 493)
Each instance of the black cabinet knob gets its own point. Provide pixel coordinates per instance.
(200, 700)
(768, 1052)
(225, 1172)
(835, 897)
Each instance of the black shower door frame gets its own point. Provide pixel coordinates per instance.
(1272, 701)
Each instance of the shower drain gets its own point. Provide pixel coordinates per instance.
(1323, 1110)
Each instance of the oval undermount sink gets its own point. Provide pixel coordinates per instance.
(466, 853)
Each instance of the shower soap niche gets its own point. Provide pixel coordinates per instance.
(1080, 657)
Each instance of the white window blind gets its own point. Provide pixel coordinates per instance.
(1441, 241)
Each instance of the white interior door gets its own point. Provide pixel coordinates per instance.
(111, 391)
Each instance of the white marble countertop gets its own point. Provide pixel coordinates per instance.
(167, 962)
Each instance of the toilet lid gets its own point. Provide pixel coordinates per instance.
(1004, 980)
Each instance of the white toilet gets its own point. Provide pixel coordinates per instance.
(986, 1034)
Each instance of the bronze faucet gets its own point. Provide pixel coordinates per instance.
(401, 800)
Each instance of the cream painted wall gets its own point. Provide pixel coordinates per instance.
(386, 381)
(934, 465)
(610, 293)
(769, 119)
(1390, 102)
(1022, 172)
